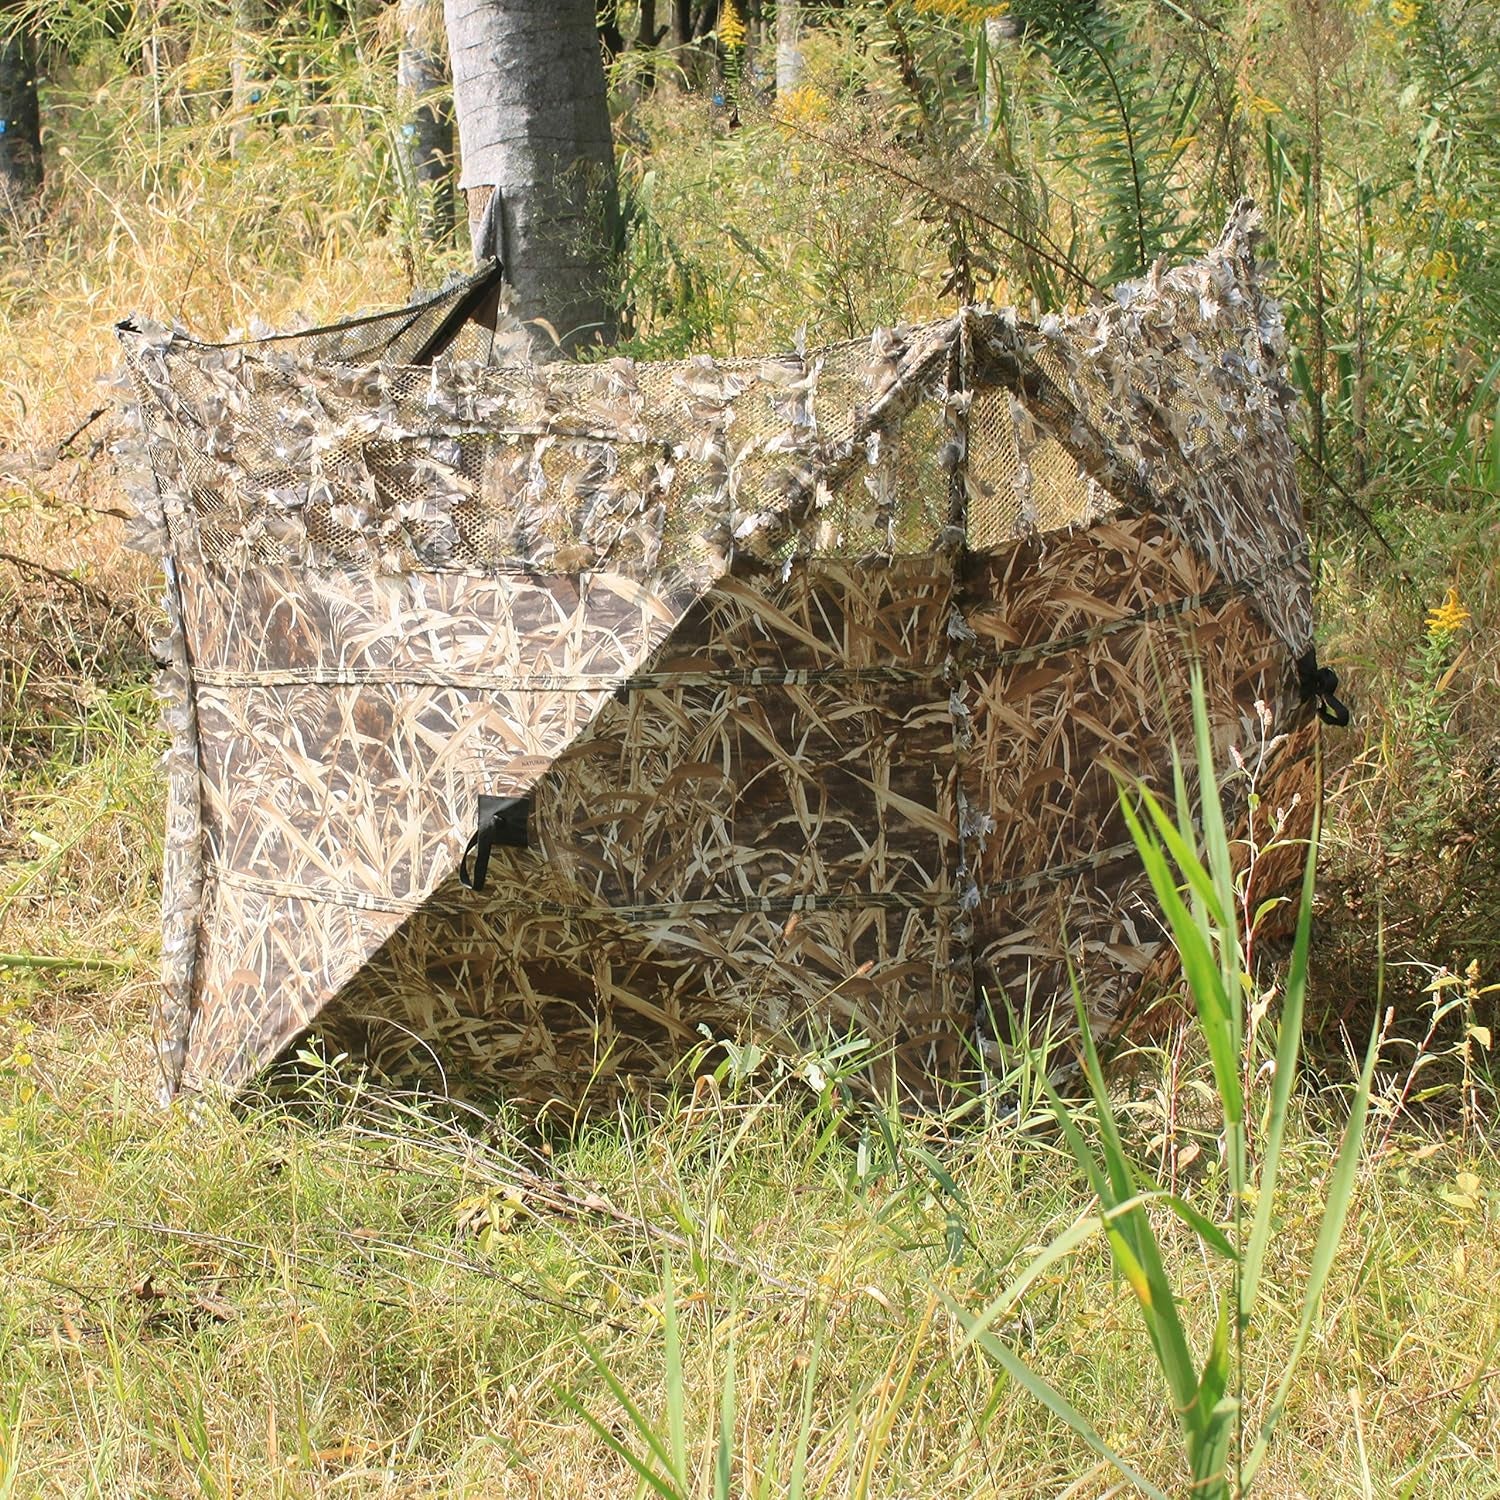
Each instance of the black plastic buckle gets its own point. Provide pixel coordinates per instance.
(1321, 683)
(501, 820)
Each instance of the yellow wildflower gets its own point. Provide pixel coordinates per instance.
(963, 10)
(1447, 618)
(1404, 12)
(731, 27)
(806, 103)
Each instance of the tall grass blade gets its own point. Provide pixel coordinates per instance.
(1133, 1242)
(667, 1485)
(1221, 1411)
(798, 1475)
(1201, 970)
(1197, 1221)
(1340, 1194)
(1055, 1402)
(1200, 882)
(1288, 1048)
(651, 1476)
(724, 1458)
(672, 1354)
(1061, 1247)
(1215, 835)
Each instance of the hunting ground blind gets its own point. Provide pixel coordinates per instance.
(532, 722)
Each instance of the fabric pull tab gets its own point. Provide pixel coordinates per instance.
(500, 820)
(1320, 684)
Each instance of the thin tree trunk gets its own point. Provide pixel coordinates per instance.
(788, 45)
(427, 129)
(648, 33)
(20, 121)
(999, 32)
(538, 157)
(248, 18)
(647, 38)
(681, 30)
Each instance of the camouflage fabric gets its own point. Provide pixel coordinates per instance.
(811, 673)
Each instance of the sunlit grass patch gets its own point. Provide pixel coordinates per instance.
(357, 1288)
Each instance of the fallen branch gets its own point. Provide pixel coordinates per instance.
(85, 591)
(79, 430)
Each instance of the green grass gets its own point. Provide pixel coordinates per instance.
(351, 1297)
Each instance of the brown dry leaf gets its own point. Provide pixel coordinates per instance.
(215, 1307)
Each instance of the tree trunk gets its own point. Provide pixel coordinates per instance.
(533, 128)
(648, 33)
(20, 121)
(788, 46)
(427, 127)
(245, 82)
(999, 33)
(647, 38)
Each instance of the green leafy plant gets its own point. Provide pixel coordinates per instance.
(1196, 892)
(666, 1465)
(1127, 120)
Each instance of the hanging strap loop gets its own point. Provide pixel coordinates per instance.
(1320, 684)
(500, 820)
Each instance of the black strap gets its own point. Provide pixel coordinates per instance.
(1320, 684)
(501, 820)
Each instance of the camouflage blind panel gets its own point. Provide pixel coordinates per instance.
(803, 682)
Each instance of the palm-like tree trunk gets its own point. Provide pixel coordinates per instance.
(20, 120)
(537, 155)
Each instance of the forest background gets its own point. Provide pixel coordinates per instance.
(374, 1302)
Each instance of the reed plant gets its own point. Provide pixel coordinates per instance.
(1192, 867)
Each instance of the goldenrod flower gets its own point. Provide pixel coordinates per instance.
(806, 103)
(731, 27)
(964, 10)
(1447, 618)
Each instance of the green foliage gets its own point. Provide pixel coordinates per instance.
(1126, 116)
(1199, 902)
(664, 1467)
